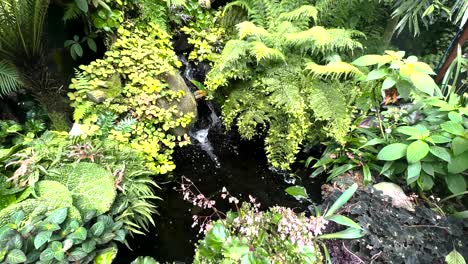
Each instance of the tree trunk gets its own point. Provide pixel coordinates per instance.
(389, 31)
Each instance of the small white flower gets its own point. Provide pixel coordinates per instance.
(76, 130)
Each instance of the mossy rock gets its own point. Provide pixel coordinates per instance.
(187, 104)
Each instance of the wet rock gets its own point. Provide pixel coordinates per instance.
(96, 96)
(186, 104)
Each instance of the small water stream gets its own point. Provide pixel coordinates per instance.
(216, 159)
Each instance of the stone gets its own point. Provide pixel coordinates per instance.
(186, 104)
(96, 96)
(399, 198)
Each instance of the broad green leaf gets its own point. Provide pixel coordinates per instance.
(57, 250)
(97, 229)
(77, 49)
(459, 145)
(376, 74)
(343, 220)
(423, 82)
(408, 130)
(440, 152)
(388, 83)
(425, 182)
(58, 216)
(16, 256)
(77, 255)
(367, 174)
(413, 172)
(456, 183)
(92, 187)
(236, 252)
(106, 256)
(455, 117)
(454, 258)
(453, 128)
(392, 152)
(42, 238)
(417, 151)
(92, 44)
(47, 255)
(350, 233)
(424, 68)
(367, 60)
(219, 232)
(82, 5)
(458, 164)
(341, 200)
(17, 217)
(428, 168)
(439, 139)
(79, 234)
(297, 192)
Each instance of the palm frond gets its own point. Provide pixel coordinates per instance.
(9, 78)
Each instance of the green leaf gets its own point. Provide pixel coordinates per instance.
(455, 117)
(440, 152)
(392, 152)
(297, 192)
(461, 215)
(236, 252)
(459, 145)
(367, 60)
(428, 168)
(388, 83)
(17, 217)
(339, 170)
(413, 172)
(92, 187)
(453, 128)
(42, 238)
(439, 139)
(343, 220)
(57, 250)
(97, 229)
(77, 255)
(16, 256)
(219, 232)
(79, 234)
(350, 233)
(77, 49)
(58, 216)
(92, 44)
(425, 182)
(423, 82)
(458, 164)
(454, 258)
(455, 183)
(373, 142)
(376, 74)
(367, 174)
(47, 255)
(409, 130)
(82, 5)
(341, 200)
(417, 151)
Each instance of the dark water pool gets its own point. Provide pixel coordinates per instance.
(241, 168)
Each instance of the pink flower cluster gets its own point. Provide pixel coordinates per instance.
(299, 230)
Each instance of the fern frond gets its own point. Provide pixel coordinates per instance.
(9, 78)
(261, 52)
(304, 12)
(243, 4)
(333, 70)
(325, 40)
(72, 12)
(233, 52)
(249, 29)
(125, 125)
(82, 110)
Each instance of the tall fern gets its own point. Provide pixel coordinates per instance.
(21, 28)
(276, 84)
(9, 78)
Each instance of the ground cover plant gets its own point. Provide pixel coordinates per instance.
(364, 100)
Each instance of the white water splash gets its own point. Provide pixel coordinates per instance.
(202, 137)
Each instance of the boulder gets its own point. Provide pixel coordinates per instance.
(399, 198)
(186, 104)
(96, 96)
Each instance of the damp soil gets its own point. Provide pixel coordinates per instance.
(238, 165)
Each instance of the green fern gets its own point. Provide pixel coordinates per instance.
(276, 86)
(9, 78)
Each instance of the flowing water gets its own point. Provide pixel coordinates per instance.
(216, 159)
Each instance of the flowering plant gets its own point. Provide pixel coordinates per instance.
(278, 235)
